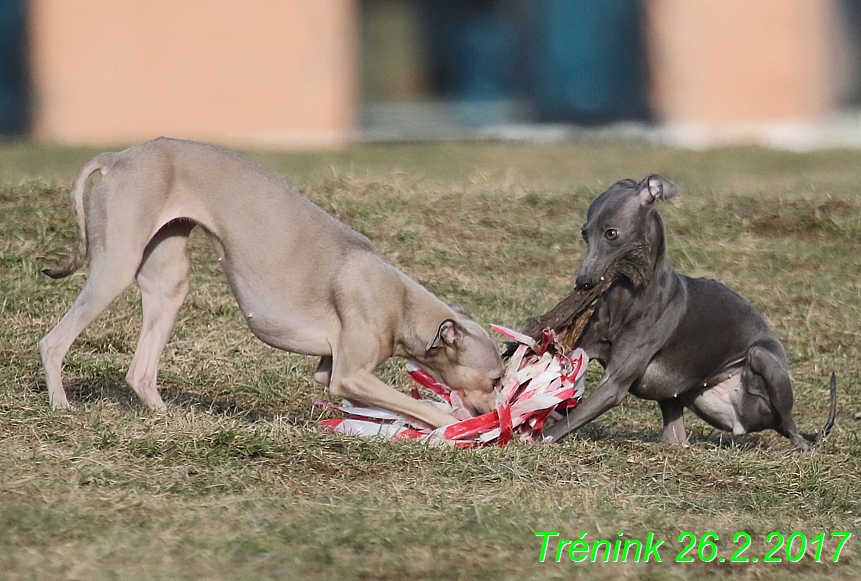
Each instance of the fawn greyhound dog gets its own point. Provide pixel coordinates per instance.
(306, 282)
(660, 335)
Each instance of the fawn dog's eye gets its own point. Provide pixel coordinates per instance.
(611, 234)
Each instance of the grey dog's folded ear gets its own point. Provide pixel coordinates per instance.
(655, 187)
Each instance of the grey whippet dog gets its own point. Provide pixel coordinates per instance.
(306, 282)
(663, 336)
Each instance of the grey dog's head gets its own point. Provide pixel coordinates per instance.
(624, 232)
(465, 358)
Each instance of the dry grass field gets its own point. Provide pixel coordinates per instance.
(236, 482)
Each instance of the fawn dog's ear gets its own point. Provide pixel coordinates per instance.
(448, 333)
(655, 187)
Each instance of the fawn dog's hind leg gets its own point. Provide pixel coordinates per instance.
(163, 280)
(110, 273)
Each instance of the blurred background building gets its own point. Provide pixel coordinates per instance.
(320, 73)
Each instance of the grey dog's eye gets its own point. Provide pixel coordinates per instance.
(611, 234)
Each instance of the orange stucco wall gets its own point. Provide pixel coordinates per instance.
(723, 61)
(250, 73)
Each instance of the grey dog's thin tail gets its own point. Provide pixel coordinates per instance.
(832, 414)
(102, 163)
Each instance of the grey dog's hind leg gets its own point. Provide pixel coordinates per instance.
(163, 280)
(765, 363)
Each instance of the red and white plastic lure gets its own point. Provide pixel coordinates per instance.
(539, 382)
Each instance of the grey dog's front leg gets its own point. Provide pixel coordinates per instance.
(674, 423)
(611, 391)
(628, 363)
(607, 396)
(633, 345)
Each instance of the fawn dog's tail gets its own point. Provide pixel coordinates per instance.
(102, 163)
